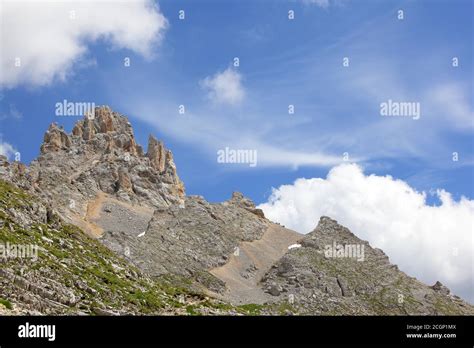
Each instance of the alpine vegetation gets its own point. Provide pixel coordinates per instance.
(241, 159)
(119, 249)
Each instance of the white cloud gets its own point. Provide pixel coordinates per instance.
(49, 39)
(429, 242)
(6, 149)
(320, 3)
(224, 87)
(210, 132)
(274, 156)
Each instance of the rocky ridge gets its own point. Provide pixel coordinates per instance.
(114, 223)
(74, 274)
(100, 155)
(363, 282)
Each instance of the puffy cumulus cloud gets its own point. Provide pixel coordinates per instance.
(224, 87)
(48, 37)
(429, 242)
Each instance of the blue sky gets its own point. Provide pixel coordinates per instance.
(405, 193)
(282, 62)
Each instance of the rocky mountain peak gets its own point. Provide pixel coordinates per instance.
(103, 120)
(101, 156)
(104, 130)
(100, 180)
(333, 271)
(107, 132)
(329, 227)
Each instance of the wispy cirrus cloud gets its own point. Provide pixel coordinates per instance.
(11, 113)
(209, 132)
(451, 101)
(337, 108)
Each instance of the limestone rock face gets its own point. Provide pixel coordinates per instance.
(64, 272)
(188, 240)
(55, 139)
(124, 182)
(156, 153)
(101, 155)
(335, 272)
(107, 130)
(239, 200)
(438, 286)
(99, 179)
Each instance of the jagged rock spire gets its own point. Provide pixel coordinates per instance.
(105, 156)
(156, 153)
(55, 139)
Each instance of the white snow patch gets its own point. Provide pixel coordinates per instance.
(294, 246)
